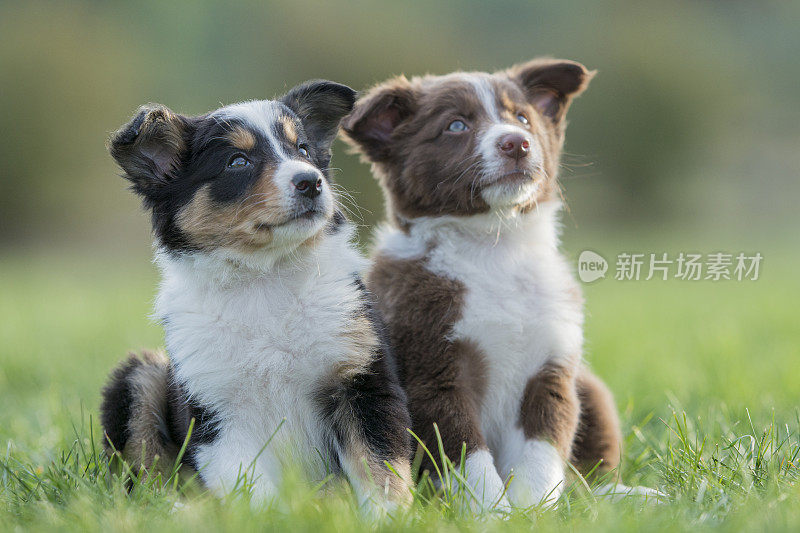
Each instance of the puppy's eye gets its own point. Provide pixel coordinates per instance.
(522, 118)
(239, 161)
(303, 149)
(457, 126)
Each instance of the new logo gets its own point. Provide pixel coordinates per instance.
(591, 266)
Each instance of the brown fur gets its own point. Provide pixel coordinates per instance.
(598, 439)
(426, 171)
(400, 127)
(289, 131)
(244, 225)
(550, 407)
(444, 380)
(241, 138)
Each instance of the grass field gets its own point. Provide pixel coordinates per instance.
(706, 375)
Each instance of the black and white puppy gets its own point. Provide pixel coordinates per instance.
(267, 323)
(482, 308)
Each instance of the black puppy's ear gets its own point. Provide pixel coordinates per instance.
(320, 105)
(551, 84)
(149, 147)
(376, 116)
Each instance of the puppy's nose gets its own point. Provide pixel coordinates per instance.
(308, 184)
(514, 145)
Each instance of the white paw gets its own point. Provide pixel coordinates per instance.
(486, 488)
(539, 476)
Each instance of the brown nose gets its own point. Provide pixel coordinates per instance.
(514, 145)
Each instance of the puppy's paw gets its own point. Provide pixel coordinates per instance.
(539, 478)
(485, 493)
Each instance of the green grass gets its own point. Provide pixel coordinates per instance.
(706, 376)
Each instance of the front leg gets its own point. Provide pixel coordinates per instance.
(226, 465)
(370, 419)
(449, 396)
(548, 423)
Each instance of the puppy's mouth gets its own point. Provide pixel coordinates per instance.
(515, 175)
(511, 187)
(310, 214)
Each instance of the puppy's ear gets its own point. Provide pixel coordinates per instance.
(149, 147)
(551, 84)
(321, 105)
(377, 115)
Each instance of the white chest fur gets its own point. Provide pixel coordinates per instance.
(522, 306)
(254, 347)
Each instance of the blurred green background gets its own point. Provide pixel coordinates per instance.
(691, 124)
(687, 140)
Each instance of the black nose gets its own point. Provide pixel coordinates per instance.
(308, 184)
(514, 145)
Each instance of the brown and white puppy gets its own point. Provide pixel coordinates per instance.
(483, 311)
(274, 346)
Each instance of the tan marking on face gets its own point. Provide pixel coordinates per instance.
(241, 138)
(289, 129)
(244, 225)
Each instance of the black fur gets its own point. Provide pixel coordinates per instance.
(379, 405)
(320, 105)
(115, 409)
(181, 409)
(374, 398)
(168, 157)
(178, 412)
(336, 223)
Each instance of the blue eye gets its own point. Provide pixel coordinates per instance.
(522, 118)
(457, 126)
(303, 149)
(238, 161)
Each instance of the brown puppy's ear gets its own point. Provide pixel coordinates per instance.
(551, 84)
(149, 147)
(376, 116)
(320, 105)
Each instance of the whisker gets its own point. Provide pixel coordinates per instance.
(351, 207)
(463, 173)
